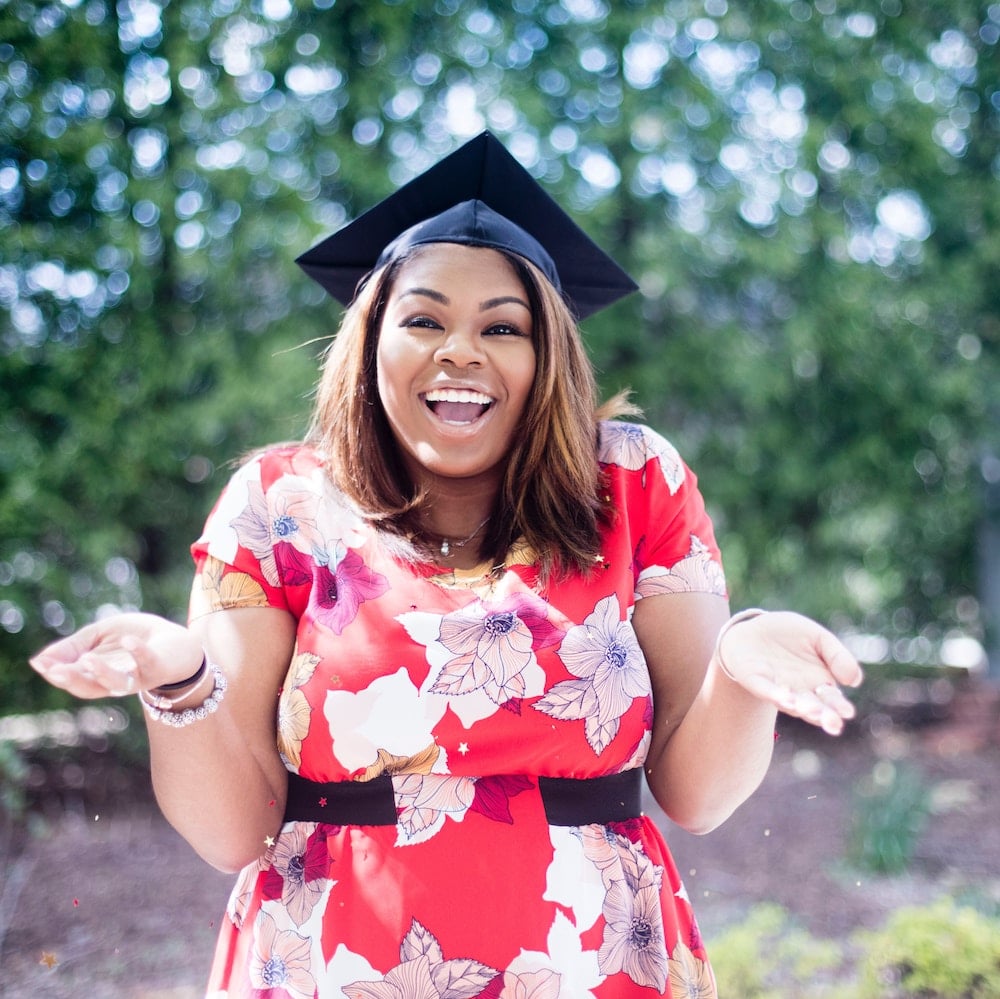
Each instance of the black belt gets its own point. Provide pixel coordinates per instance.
(568, 801)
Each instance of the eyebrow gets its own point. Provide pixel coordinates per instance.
(489, 303)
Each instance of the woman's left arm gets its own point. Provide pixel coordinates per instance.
(713, 729)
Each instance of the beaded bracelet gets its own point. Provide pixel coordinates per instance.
(179, 719)
(743, 615)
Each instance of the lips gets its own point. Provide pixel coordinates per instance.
(457, 405)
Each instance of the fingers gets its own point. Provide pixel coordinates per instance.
(824, 706)
(112, 672)
(843, 667)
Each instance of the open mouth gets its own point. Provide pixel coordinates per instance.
(457, 405)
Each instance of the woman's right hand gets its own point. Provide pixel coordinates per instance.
(120, 655)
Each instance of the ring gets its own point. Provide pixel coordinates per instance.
(824, 688)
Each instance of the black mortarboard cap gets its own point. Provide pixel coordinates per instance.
(478, 195)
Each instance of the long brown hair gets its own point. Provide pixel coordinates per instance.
(551, 494)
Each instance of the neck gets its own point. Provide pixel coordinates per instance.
(454, 520)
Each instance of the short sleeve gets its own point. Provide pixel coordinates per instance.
(674, 539)
(256, 547)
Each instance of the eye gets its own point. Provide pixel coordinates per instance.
(505, 329)
(420, 322)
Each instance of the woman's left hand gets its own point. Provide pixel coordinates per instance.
(795, 664)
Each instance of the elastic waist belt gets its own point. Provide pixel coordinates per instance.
(568, 801)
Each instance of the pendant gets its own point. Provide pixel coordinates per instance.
(445, 548)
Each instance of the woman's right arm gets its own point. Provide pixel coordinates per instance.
(219, 781)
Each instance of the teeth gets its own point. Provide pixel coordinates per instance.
(458, 395)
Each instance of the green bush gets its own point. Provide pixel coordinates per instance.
(891, 806)
(768, 957)
(941, 951)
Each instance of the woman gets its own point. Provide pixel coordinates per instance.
(431, 650)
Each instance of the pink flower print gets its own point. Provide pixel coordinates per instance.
(493, 794)
(300, 865)
(339, 594)
(604, 654)
(531, 985)
(632, 446)
(633, 935)
(279, 964)
(492, 645)
(292, 520)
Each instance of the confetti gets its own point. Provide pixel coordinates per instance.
(76, 903)
(271, 803)
(463, 748)
(49, 960)
(322, 802)
(268, 841)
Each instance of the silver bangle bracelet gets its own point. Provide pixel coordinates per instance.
(179, 719)
(743, 615)
(156, 697)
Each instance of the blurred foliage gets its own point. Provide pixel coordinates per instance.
(808, 194)
(891, 808)
(940, 951)
(768, 956)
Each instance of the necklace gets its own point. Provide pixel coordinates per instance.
(447, 545)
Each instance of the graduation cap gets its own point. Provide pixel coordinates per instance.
(479, 195)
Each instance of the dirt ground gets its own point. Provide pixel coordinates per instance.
(110, 903)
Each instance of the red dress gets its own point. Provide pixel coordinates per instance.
(464, 688)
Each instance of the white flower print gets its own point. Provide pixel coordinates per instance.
(425, 800)
(697, 572)
(633, 935)
(483, 654)
(604, 654)
(577, 968)
(631, 446)
(423, 973)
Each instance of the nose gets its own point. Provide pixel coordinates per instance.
(460, 349)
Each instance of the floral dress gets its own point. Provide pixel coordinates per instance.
(460, 691)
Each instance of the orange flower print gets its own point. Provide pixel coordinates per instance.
(690, 977)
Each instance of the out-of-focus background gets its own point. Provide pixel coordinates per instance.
(808, 194)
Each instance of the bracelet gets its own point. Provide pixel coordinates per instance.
(189, 715)
(743, 615)
(193, 678)
(157, 700)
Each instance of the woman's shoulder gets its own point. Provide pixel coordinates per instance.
(633, 445)
(286, 458)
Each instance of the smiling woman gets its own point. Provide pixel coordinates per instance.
(433, 650)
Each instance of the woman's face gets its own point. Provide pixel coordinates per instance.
(455, 362)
